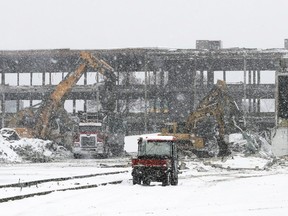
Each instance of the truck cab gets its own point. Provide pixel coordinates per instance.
(91, 142)
(156, 160)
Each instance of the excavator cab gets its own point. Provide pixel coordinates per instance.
(185, 141)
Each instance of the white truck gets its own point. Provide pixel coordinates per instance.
(91, 142)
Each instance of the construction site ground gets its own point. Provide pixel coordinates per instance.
(238, 185)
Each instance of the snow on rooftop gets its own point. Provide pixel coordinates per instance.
(131, 145)
(159, 137)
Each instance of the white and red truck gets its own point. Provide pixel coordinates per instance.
(91, 141)
(156, 160)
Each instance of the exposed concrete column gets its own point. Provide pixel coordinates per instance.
(31, 83)
(2, 99)
(17, 101)
(43, 78)
(3, 108)
(194, 83)
(85, 78)
(149, 78)
(127, 85)
(85, 101)
(245, 86)
(2, 77)
(117, 93)
(145, 98)
(18, 79)
(74, 106)
(258, 105)
(163, 100)
(201, 78)
(50, 78)
(254, 98)
(85, 106)
(258, 83)
(249, 99)
(17, 105)
(168, 69)
(210, 78)
(156, 98)
(254, 77)
(31, 78)
(224, 75)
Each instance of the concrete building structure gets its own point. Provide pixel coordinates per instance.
(173, 81)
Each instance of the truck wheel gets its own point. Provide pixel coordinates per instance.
(136, 180)
(167, 179)
(174, 180)
(146, 181)
(76, 156)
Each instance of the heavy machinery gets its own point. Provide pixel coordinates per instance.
(157, 160)
(50, 120)
(218, 111)
(91, 141)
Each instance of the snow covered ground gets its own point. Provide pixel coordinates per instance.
(240, 185)
(252, 186)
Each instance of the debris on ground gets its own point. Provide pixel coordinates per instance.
(241, 162)
(250, 144)
(15, 150)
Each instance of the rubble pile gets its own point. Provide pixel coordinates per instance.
(250, 143)
(14, 149)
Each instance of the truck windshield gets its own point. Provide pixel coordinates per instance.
(84, 129)
(150, 148)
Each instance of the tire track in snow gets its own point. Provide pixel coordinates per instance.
(56, 180)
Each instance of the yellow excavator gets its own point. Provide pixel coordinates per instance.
(217, 104)
(43, 122)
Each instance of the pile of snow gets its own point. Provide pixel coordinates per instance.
(240, 161)
(29, 150)
(7, 154)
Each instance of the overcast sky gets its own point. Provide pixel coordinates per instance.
(97, 24)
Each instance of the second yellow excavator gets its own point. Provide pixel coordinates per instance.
(216, 105)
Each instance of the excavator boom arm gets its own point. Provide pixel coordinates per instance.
(100, 65)
(58, 96)
(64, 87)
